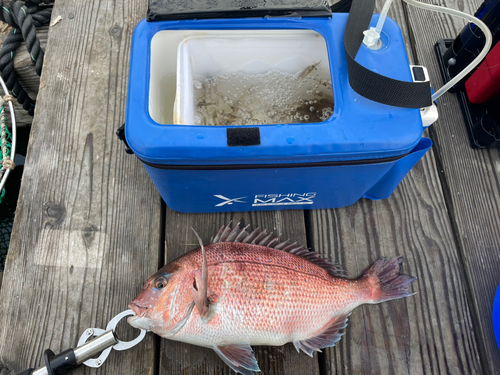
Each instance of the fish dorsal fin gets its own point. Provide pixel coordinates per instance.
(239, 357)
(200, 292)
(262, 238)
(329, 337)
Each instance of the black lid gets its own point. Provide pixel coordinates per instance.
(160, 10)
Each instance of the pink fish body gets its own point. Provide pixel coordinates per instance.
(258, 292)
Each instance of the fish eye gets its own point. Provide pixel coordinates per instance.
(160, 282)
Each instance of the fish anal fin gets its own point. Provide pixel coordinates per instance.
(329, 337)
(239, 357)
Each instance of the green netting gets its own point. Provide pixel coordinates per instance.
(6, 216)
(8, 138)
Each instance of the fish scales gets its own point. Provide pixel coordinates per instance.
(266, 296)
(232, 294)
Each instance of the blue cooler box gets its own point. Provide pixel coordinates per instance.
(362, 151)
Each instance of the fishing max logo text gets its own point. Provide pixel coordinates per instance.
(271, 199)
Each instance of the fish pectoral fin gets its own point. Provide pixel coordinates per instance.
(200, 300)
(239, 357)
(329, 337)
(200, 292)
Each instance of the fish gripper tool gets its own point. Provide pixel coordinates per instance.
(92, 342)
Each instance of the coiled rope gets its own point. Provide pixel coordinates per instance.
(24, 17)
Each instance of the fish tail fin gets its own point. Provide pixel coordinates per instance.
(386, 281)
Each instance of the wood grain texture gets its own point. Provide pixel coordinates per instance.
(180, 358)
(471, 179)
(87, 227)
(430, 332)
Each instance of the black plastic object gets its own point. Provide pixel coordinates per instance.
(482, 120)
(243, 136)
(343, 6)
(161, 10)
(418, 73)
(60, 364)
(120, 133)
(469, 43)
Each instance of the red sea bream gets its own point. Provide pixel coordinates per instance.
(251, 289)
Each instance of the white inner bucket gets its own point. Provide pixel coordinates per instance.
(239, 77)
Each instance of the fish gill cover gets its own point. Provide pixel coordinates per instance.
(190, 9)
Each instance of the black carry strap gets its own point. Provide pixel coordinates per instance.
(369, 84)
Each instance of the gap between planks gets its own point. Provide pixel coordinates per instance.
(469, 184)
(162, 248)
(442, 349)
(445, 188)
(461, 251)
(180, 358)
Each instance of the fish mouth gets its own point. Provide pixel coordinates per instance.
(139, 311)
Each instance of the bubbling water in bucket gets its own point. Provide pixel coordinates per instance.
(274, 97)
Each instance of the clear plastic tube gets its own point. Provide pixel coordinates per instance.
(372, 35)
(383, 15)
(477, 60)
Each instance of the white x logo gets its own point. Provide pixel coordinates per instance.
(228, 200)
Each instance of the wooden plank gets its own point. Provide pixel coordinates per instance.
(471, 179)
(430, 332)
(180, 358)
(87, 227)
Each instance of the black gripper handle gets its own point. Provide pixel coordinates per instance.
(60, 364)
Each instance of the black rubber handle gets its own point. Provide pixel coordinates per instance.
(60, 364)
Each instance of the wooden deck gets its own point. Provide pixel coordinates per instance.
(90, 227)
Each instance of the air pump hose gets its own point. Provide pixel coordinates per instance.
(477, 60)
(383, 15)
(372, 35)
